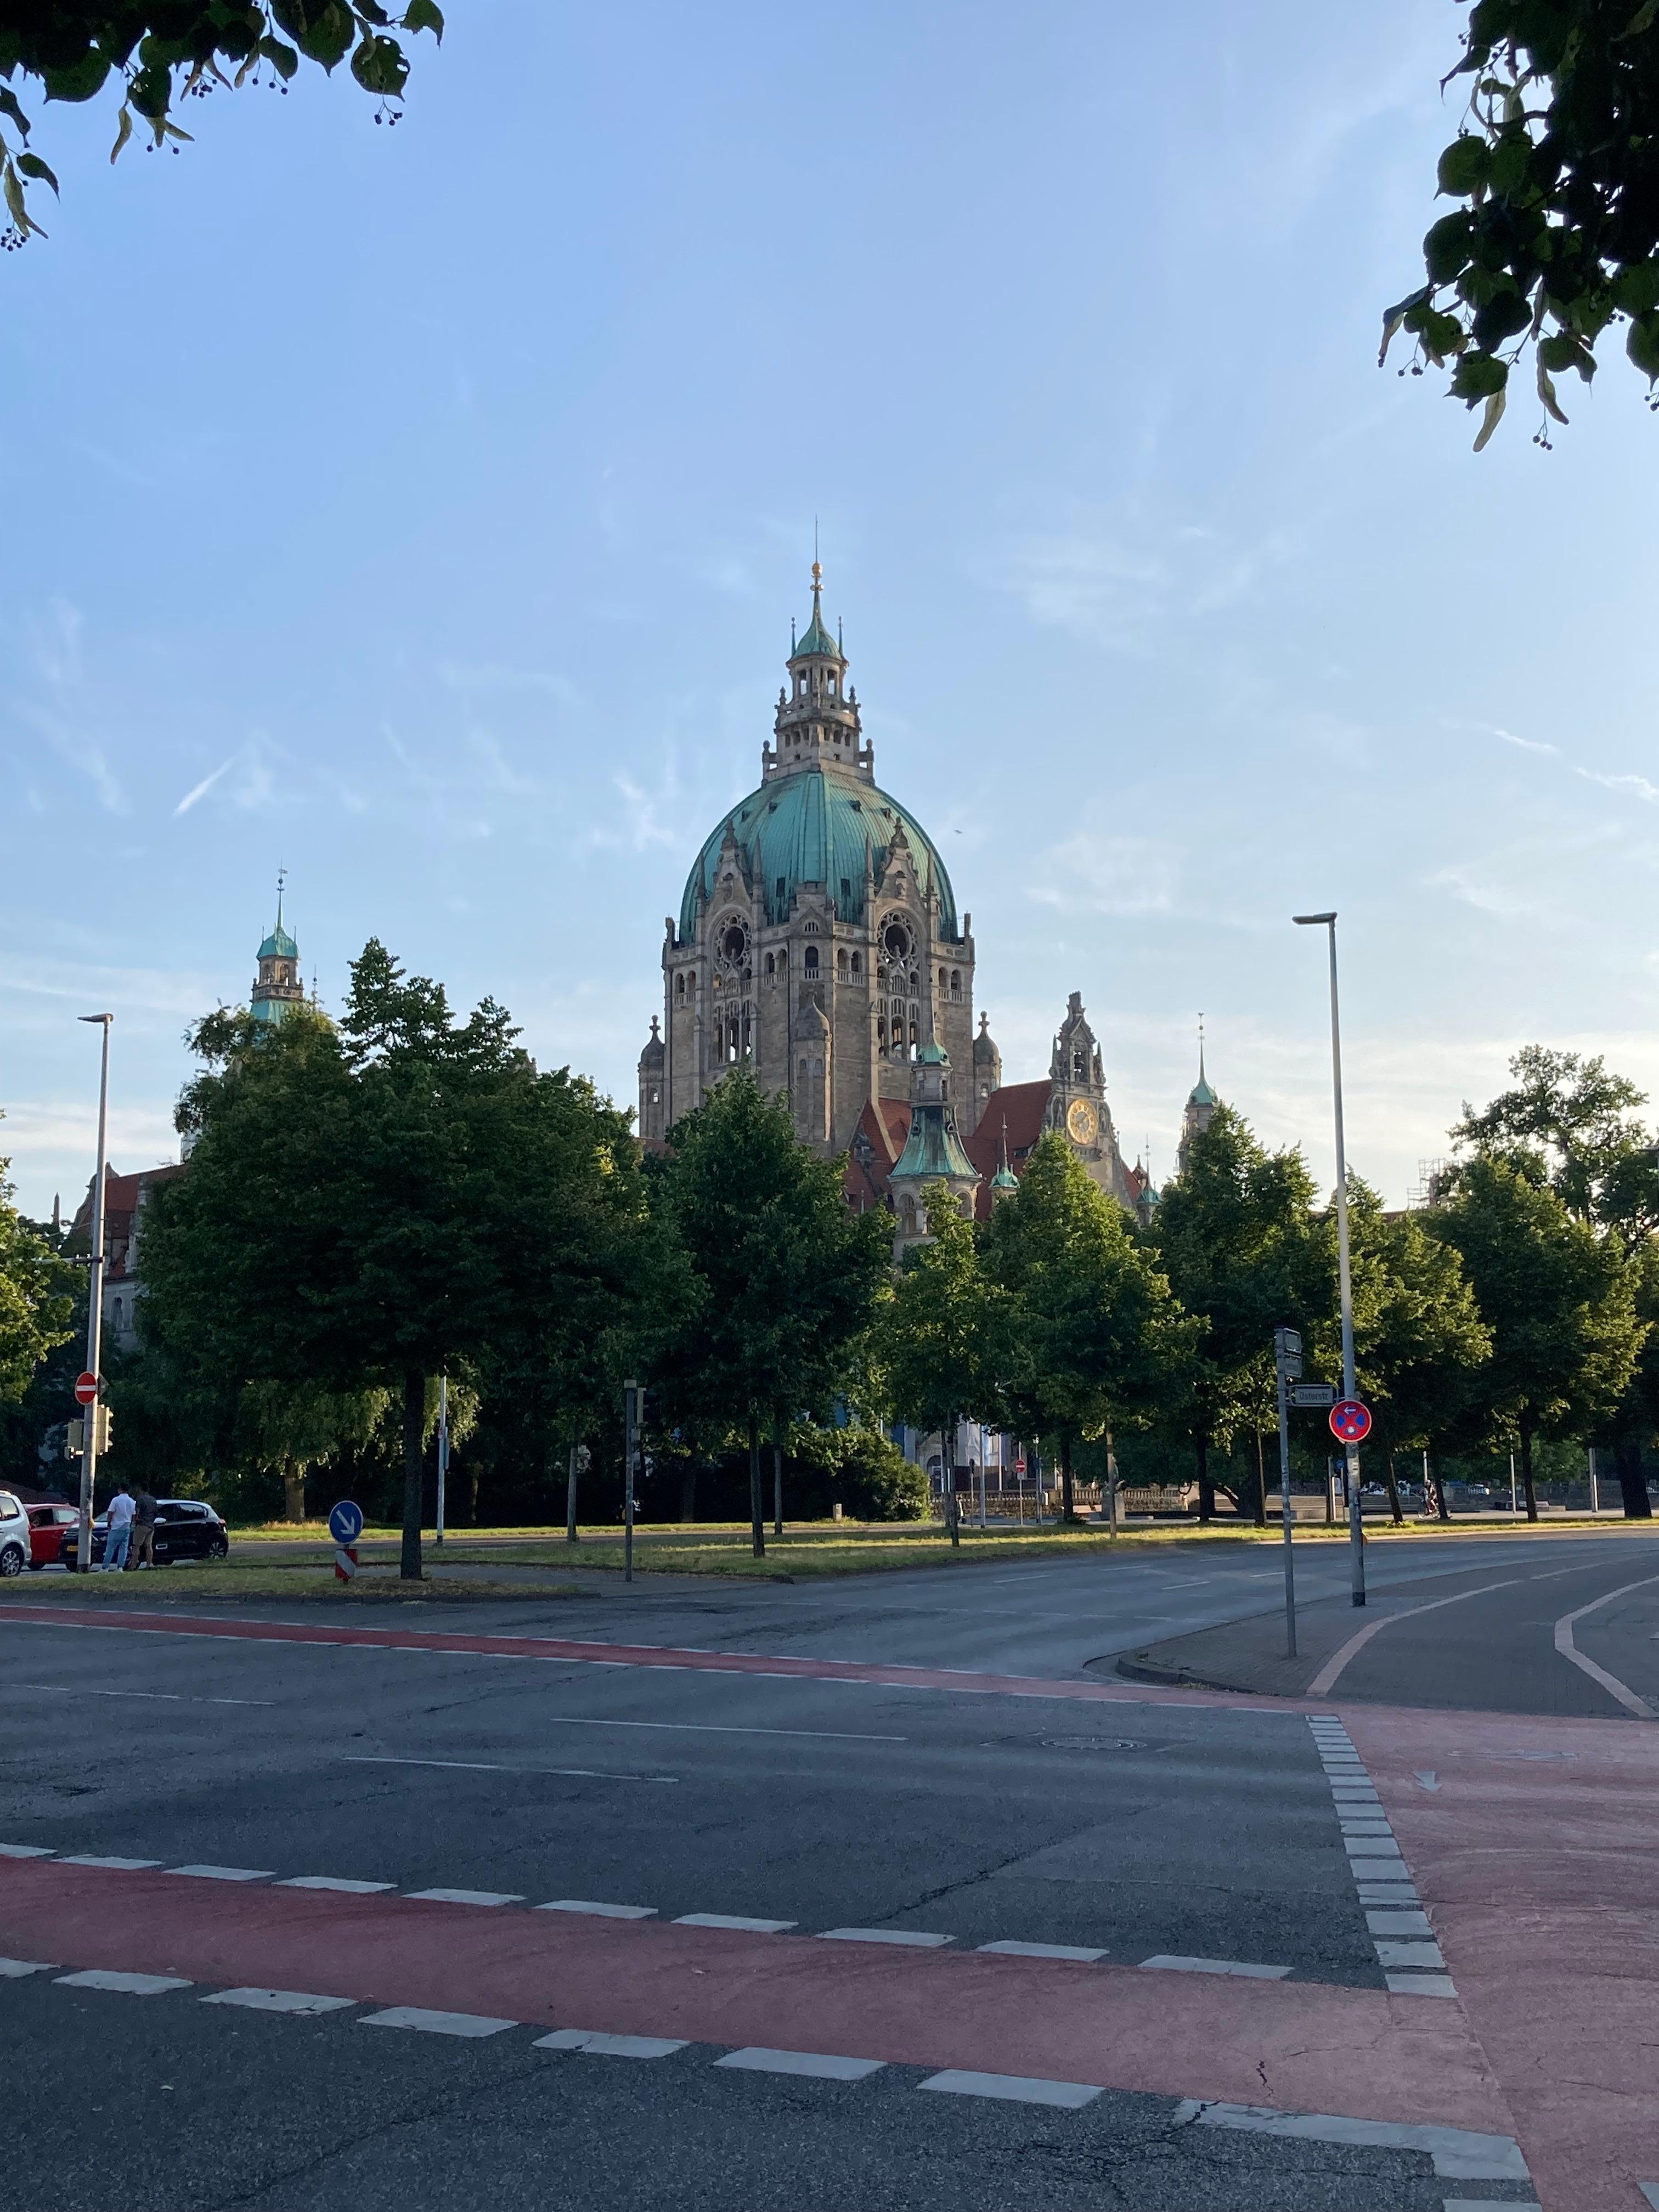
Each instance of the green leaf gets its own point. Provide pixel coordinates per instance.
(8, 106)
(32, 165)
(123, 130)
(282, 59)
(1562, 350)
(380, 66)
(424, 16)
(151, 90)
(1643, 344)
(1479, 376)
(1505, 315)
(370, 11)
(1446, 248)
(19, 214)
(1463, 166)
(77, 80)
(1636, 288)
(329, 33)
(1491, 419)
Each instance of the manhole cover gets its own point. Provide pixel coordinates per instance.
(1094, 1743)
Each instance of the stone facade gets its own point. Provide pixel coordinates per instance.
(818, 938)
(818, 942)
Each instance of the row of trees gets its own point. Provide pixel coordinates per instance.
(373, 1204)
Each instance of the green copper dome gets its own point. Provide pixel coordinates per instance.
(1201, 1094)
(817, 825)
(817, 640)
(279, 945)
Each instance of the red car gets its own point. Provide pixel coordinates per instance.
(50, 1528)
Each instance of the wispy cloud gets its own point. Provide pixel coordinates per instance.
(246, 781)
(1637, 785)
(1525, 745)
(200, 791)
(1102, 874)
(1123, 587)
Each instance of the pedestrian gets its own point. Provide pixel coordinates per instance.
(117, 1530)
(144, 1531)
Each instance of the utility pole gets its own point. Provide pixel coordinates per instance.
(443, 1448)
(1287, 1365)
(633, 1410)
(1356, 1529)
(94, 1310)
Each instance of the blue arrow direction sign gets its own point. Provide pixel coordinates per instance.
(345, 1522)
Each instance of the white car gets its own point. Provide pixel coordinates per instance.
(14, 1536)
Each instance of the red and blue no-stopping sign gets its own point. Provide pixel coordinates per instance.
(1350, 1422)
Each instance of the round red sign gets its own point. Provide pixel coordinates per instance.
(86, 1388)
(1350, 1421)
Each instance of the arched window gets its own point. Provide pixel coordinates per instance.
(942, 982)
(956, 982)
(679, 988)
(803, 1075)
(913, 1037)
(811, 961)
(841, 963)
(881, 1035)
(771, 967)
(1079, 1067)
(858, 965)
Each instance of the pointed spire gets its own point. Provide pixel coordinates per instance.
(818, 639)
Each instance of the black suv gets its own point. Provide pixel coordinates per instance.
(184, 1529)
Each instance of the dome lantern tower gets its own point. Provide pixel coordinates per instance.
(277, 987)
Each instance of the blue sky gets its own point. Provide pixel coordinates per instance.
(424, 510)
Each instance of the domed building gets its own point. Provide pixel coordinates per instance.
(819, 937)
(819, 941)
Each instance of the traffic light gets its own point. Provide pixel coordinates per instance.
(104, 1432)
(75, 1439)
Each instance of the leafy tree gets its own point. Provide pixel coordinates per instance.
(1236, 1236)
(1420, 1346)
(1576, 1118)
(160, 50)
(1559, 1302)
(1573, 1122)
(289, 1427)
(1555, 174)
(785, 1281)
(1090, 1338)
(945, 1317)
(36, 1298)
(370, 1206)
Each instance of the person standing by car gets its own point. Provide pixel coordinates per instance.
(144, 1531)
(118, 1523)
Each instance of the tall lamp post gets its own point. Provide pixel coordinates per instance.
(94, 1310)
(1356, 1532)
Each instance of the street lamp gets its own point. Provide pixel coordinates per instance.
(95, 1312)
(1356, 1533)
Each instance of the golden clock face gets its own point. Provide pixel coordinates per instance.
(1082, 1122)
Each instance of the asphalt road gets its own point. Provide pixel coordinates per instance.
(1051, 1813)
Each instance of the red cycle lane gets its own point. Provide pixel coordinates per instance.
(1534, 1843)
(1295, 2046)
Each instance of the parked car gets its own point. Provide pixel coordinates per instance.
(15, 1535)
(50, 1528)
(184, 1529)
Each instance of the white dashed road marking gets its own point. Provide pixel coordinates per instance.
(1245, 1966)
(335, 1881)
(464, 1897)
(598, 2046)
(126, 1985)
(911, 1938)
(295, 2001)
(1012, 2088)
(1458, 2154)
(25, 1850)
(1012, 1950)
(601, 1912)
(224, 1873)
(13, 1970)
(816, 2063)
(730, 1920)
(120, 1866)
(436, 2023)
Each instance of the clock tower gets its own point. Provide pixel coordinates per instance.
(1077, 1102)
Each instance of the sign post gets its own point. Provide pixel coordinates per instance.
(345, 1525)
(1351, 1424)
(95, 1312)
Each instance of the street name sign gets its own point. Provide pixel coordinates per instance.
(1322, 1395)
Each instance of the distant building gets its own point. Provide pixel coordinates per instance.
(277, 986)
